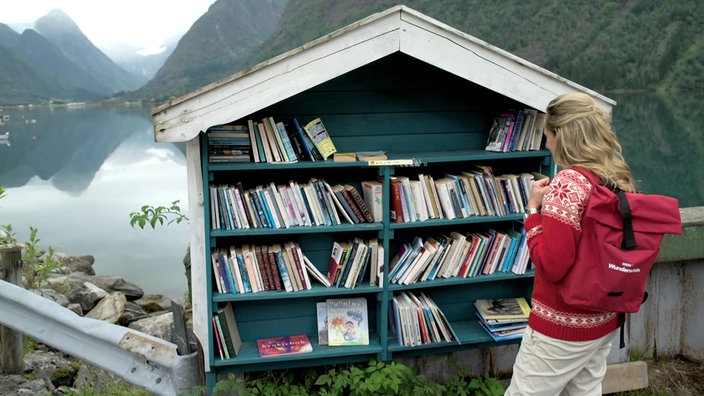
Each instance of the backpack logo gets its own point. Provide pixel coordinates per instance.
(624, 267)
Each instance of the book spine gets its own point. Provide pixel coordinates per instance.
(396, 212)
(361, 204)
(347, 196)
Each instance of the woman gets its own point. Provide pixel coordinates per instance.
(564, 349)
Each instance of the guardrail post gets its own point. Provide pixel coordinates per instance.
(11, 271)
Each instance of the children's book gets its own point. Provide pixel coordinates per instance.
(348, 321)
(282, 346)
(503, 308)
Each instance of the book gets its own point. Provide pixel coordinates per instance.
(230, 330)
(396, 210)
(344, 157)
(371, 155)
(357, 197)
(335, 261)
(373, 197)
(348, 322)
(503, 308)
(312, 153)
(284, 346)
(320, 138)
(321, 310)
(497, 133)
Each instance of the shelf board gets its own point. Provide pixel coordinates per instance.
(418, 158)
(466, 220)
(317, 291)
(456, 280)
(469, 333)
(249, 354)
(298, 230)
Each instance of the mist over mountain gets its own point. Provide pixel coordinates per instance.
(56, 62)
(134, 60)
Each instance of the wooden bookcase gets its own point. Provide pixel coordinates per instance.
(411, 110)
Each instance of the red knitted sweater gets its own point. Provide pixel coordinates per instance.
(552, 238)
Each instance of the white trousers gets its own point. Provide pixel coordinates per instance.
(546, 366)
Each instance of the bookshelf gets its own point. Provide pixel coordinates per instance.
(440, 122)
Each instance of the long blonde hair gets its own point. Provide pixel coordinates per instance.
(584, 138)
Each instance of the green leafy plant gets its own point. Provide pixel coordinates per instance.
(37, 271)
(158, 215)
(375, 378)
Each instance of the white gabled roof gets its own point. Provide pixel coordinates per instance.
(398, 29)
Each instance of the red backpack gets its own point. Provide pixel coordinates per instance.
(621, 237)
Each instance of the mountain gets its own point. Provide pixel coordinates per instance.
(56, 62)
(60, 29)
(216, 46)
(604, 45)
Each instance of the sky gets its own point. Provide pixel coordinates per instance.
(144, 23)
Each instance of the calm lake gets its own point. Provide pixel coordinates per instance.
(75, 174)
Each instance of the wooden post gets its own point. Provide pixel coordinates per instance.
(11, 271)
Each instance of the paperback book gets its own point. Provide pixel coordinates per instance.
(283, 346)
(348, 322)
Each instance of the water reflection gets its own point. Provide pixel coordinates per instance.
(663, 143)
(76, 174)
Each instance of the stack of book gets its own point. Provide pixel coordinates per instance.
(273, 141)
(475, 192)
(417, 320)
(257, 268)
(314, 203)
(350, 261)
(462, 255)
(228, 143)
(516, 130)
(503, 318)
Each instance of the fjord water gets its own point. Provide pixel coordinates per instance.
(75, 174)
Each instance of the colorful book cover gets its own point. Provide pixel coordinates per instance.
(282, 346)
(348, 322)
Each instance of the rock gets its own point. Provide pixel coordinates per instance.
(133, 312)
(73, 263)
(154, 303)
(87, 296)
(109, 309)
(116, 284)
(52, 295)
(157, 326)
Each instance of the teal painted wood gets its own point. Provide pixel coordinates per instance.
(437, 120)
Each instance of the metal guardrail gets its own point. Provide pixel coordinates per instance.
(136, 357)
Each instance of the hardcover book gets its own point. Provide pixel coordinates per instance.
(348, 322)
(283, 346)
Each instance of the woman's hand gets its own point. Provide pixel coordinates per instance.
(537, 191)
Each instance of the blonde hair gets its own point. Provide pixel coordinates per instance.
(584, 138)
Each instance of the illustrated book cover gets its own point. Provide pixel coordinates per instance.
(348, 321)
(503, 308)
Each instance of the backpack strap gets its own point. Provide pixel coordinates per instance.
(629, 237)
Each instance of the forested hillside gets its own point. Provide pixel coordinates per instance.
(605, 45)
